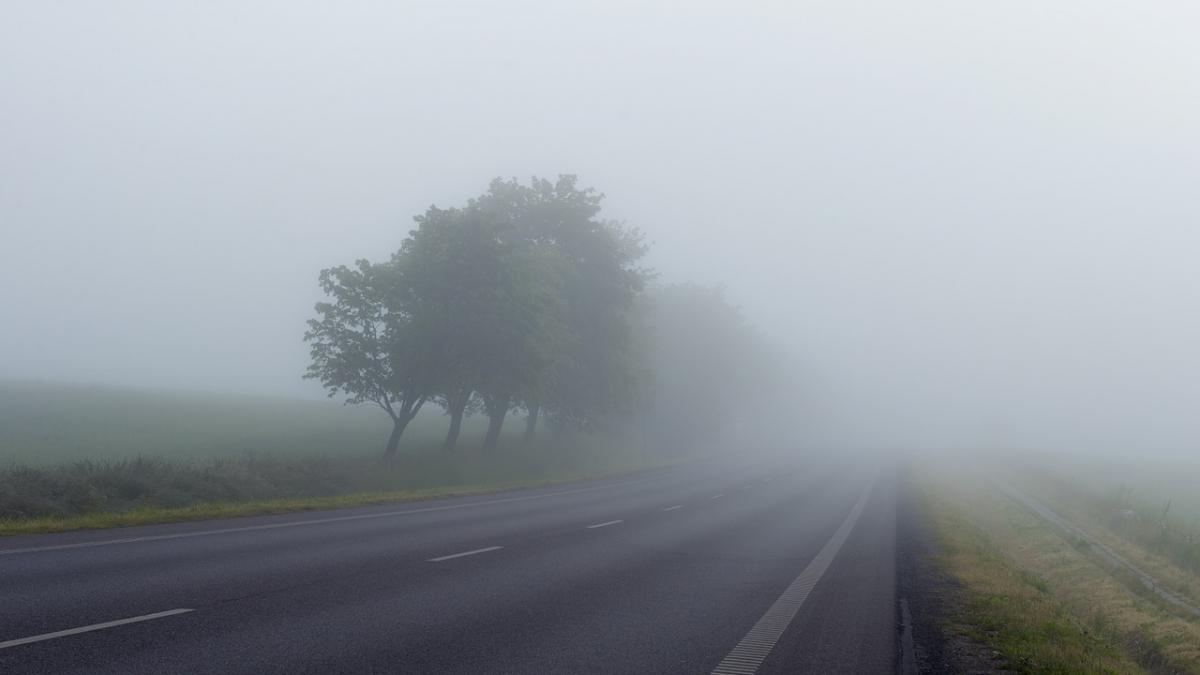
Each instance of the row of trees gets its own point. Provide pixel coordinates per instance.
(522, 298)
(708, 371)
(525, 299)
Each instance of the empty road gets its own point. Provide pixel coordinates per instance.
(710, 567)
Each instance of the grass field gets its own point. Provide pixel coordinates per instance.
(42, 423)
(73, 457)
(1046, 604)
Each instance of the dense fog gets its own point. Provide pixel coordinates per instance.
(967, 225)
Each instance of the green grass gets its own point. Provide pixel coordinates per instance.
(148, 515)
(44, 423)
(1043, 601)
(1159, 524)
(86, 457)
(1011, 609)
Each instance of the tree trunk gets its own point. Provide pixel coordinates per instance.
(496, 413)
(531, 422)
(457, 410)
(398, 425)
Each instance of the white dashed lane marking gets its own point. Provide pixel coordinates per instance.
(466, 553)
(611, 522)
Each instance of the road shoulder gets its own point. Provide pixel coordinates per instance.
(935, 600)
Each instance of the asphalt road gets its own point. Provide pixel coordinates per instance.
(763, 567)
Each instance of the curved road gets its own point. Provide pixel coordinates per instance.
(766, 568)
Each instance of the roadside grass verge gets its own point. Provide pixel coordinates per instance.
(101, 494)
(1040, 601)
(1166, 547)
(213, 510)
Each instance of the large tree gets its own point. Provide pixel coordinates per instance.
(594, 377)
(367, 344)
(444, 267)
(493, 303)
(520, 299)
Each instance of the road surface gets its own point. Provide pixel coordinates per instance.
(765, 568)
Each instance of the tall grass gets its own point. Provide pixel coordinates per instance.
(1151, 524)
(1152, 504)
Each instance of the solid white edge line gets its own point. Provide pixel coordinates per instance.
(315, 521)
(611, 522)
(672, 508)
(748, 655)
(466, 553)
(95, 626)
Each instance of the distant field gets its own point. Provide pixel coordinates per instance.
(1146, 480)
(44, 423)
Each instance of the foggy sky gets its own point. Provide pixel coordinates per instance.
(972, 223)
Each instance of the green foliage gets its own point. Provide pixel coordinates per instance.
(589, 375)
(520, 298)
(492, 302)
(371, 344)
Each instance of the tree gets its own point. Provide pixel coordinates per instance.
(527, 330)
(445, 263)
(593, 375)
(520, 299)
(368, 345)
(707, 364)
(458, 403)
(492, 303)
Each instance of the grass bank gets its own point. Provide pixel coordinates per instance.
(1149, 529)
(1043, 603)
(149, 515)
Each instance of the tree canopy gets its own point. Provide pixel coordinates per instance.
(371, 345)
(522, 298)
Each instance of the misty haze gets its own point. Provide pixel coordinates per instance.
(599, 337)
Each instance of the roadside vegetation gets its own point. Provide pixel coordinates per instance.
(526, 300)
(146, 457)
(1145, 511)
(1043, 603)
(523, 302)
(110, 493)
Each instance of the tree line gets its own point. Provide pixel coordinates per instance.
(522, 299)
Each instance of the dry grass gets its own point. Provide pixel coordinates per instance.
(1043, 603)
(1103, 519)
